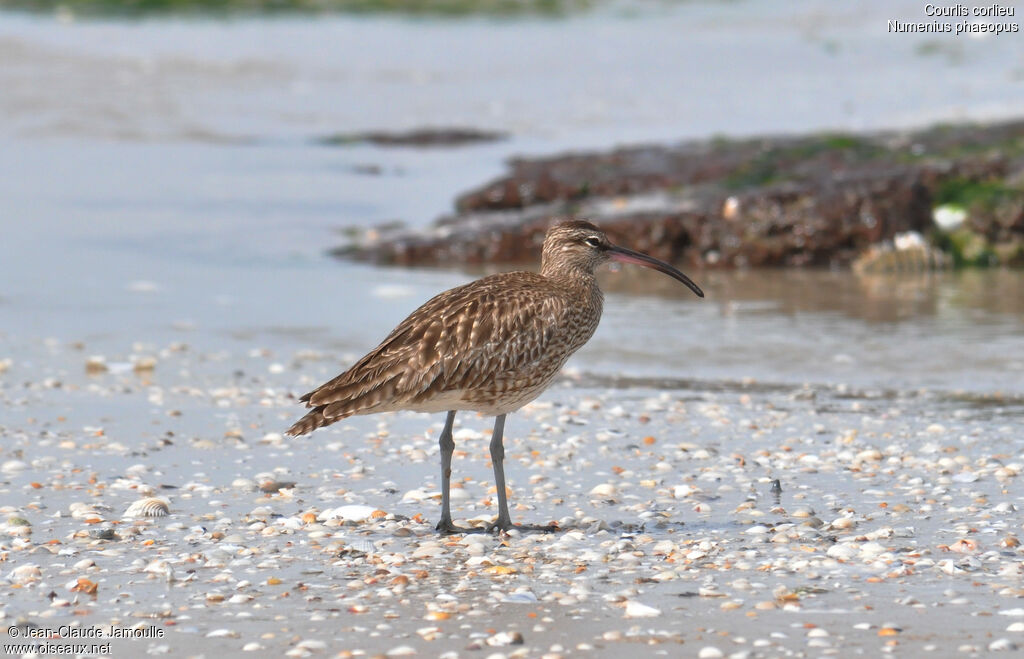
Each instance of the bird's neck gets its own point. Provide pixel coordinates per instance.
(568, 273)
(578, 283)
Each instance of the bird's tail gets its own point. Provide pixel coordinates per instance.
(314, 419)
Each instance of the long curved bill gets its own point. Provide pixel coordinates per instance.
(623, 255)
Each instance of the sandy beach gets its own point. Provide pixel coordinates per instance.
(893, 528)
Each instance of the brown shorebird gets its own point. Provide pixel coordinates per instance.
(490, 346)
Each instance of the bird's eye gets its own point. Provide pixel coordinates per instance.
(593, 241)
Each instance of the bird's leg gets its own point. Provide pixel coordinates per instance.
(504, 521)
(447, 449)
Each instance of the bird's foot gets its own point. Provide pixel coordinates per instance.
(500, 527)
(447, 527)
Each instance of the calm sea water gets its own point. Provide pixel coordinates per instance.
(161, 181)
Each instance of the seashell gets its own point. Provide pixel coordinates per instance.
(24, 574)
(244, 484)
(349, 513)
(842, 552)
(82, 510)
(428, 633)
(13, 466)
(871, 549)
(437, 615)
(274, 486)
(148, 507)
(869, 455)
(843, 523)
(636, 609)
(223, 633)
(964, 546)
(505, 638)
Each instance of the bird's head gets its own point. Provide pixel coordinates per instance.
(579, 246)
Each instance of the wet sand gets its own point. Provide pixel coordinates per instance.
(895, 529)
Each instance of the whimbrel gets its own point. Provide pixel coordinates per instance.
(490, 346)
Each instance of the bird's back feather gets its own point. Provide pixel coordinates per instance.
(491, 346)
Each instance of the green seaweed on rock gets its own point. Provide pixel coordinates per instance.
(968, 193)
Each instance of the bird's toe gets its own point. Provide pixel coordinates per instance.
(447, 527)
(499, 527)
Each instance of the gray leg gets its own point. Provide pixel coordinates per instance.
(504, 521)
(447, 448)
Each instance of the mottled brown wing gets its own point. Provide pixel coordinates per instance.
(482, 335)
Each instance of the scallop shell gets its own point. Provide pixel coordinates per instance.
(148, 507)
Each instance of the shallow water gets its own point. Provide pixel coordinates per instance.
(163, 174)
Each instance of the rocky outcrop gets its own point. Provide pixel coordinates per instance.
(811, 201)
